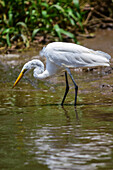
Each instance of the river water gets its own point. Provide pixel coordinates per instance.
(37, 133)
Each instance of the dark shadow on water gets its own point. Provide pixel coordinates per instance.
(64, 109)
(81, 104)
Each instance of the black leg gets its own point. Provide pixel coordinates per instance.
(76, 87)
(66, 90)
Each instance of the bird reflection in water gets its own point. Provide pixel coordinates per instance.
(67, 115)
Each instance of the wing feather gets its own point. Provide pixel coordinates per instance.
(73, 55)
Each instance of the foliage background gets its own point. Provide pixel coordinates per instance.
(24, 21)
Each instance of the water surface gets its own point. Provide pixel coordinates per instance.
(37, 133)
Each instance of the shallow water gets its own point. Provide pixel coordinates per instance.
(37, 133)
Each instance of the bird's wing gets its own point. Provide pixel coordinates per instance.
(73, 55)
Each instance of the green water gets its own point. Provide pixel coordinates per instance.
(37, 133)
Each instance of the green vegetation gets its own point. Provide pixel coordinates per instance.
(21, 20)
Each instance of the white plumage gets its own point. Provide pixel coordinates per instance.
(73, 55)
(60, 56)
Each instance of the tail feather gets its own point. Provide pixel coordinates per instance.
(106, 55)
(101, 53)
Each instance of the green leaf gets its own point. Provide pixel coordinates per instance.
(44, 13)
(35, 32)
(5, 31)
(78, 15)
(70, 13)
(9, 30)
(68, 34)
(25, 40)
(62, 31)
(57, 29)
(10, 15)
(44, 4)
(76, 3)
(21, 24)
(8, 40)
(58, 7)
(2, 3)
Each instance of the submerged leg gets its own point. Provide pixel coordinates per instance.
(66, 90)
(76, 87)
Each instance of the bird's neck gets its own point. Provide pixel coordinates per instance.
(43, 75)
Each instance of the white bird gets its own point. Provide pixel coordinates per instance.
(63, 56)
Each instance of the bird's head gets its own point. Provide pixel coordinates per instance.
(28, 66)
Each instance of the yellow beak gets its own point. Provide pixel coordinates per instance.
(18, 79)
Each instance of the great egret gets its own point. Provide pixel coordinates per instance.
(62, 56)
